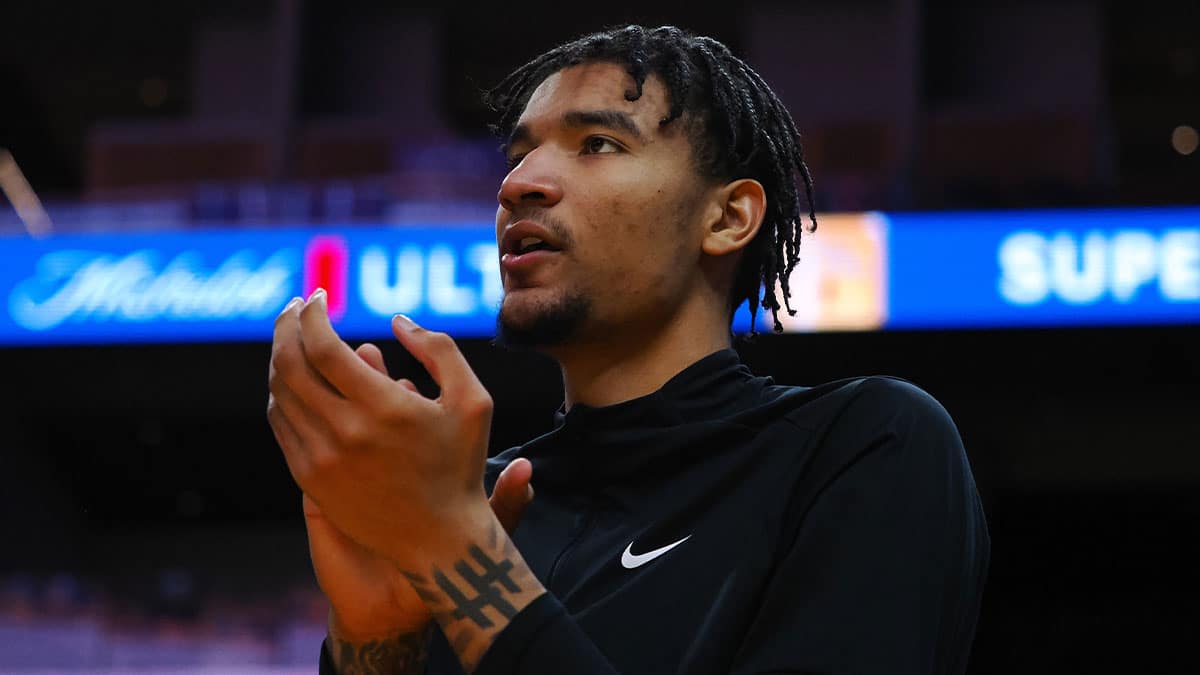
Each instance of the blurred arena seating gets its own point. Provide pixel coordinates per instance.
(60, 623)
(977, 157)
(181, 175)
(167, 153)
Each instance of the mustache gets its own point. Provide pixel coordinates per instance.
(543, 217)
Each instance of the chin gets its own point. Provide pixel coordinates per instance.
(549, 323)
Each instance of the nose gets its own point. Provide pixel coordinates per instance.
(530, 183)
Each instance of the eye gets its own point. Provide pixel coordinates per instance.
(514, 160)
(596, 145)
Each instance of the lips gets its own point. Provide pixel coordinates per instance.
(524, 244)
(524, 236)
(520, 263)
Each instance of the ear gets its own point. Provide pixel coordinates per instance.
(737, 214)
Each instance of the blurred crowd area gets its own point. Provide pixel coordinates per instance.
(182, 114)
(65, 622)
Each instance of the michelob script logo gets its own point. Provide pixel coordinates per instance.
(137, 287)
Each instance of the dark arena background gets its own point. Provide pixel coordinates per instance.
(1010, 204)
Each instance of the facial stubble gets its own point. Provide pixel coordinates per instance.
(553, 323)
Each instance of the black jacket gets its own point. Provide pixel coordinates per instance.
(828, 529)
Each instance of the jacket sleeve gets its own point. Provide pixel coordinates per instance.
(543, 638)
(887, 554)
(326, 661)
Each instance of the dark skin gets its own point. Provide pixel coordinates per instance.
(392, 479)
(653, 243)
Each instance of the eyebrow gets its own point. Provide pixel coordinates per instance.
(609, 119)
(575, 119)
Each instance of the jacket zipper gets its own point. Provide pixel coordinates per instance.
(584, 520)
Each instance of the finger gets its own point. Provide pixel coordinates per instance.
(512, 493)
(374, 358)
(441, 357)
(286, 436)
(282, 334)
(310, 443)
(371, 355)
(289, 441)
(290, 369)
(333, 358)
(311, 426)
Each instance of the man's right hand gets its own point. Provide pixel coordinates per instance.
(372, 606)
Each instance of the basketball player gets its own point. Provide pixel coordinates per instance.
(689, 517)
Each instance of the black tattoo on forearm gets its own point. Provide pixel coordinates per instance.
(474, 597)
(483, 583)
(402, 655)
(487, 594)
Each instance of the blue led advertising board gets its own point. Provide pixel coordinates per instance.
(225, 285)
(866, 271)
(1044, 268)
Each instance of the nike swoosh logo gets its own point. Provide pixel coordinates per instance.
(630, 561)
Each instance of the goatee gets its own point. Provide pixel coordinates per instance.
(553, 325)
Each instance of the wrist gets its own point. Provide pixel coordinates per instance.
(441, 537)
(474, 581)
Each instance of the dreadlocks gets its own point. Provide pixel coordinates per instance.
(738, 129)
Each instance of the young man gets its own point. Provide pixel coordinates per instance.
(689, 517)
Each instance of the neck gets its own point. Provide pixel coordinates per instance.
(629, 363)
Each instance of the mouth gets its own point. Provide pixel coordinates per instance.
(525, 236)
(528, 245)
(524, 259)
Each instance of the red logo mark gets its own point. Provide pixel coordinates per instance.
(325, 263)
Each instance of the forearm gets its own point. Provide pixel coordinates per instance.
(474, 587)
(401, 654)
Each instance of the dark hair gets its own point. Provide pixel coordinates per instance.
(738, 127)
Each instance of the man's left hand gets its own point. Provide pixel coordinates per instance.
(396, 471)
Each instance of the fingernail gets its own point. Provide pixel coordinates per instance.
(529, 492)
(292, 304)
(317, 294)
(405, 322)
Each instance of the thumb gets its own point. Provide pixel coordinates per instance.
(320, 529)
(512, 493)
